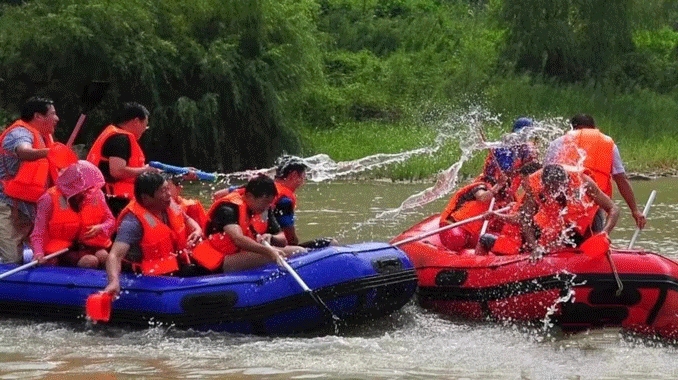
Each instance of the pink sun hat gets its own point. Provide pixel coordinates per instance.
(78, 177)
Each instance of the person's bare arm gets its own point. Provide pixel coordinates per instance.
(603, 201)
(248, 244)
(114, 265)
(290, 234)
(626, 192)
(119, 169)
(25, 152)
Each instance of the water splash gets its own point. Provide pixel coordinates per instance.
(569, 285)
(465, 126)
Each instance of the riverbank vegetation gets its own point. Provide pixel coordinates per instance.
(233, 84)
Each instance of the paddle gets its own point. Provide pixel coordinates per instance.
(281, 261)
(486, 223)
(91, 96)
(445, 228)
(203, 176)
(646, 211)
(31, 264)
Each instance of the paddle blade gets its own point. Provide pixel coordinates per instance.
(596, 246)
(61, 156)
(98, 306)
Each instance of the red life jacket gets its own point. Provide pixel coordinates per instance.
(33, 177)
(553, 218)
(123, 188)
(194, 209)
(210, 253)
(599, 155)
(510, 238)
(64, 225)
(160, 242)
(93, 212)
(284, 191)
(67, 227)
(464, 205)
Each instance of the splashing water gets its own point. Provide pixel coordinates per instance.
(465, 126)
(569, 279)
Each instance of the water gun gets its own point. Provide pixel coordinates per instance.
(203, 176)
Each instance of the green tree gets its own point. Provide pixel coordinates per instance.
(216, 74)
(568, 39)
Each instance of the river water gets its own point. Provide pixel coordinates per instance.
(412, 343)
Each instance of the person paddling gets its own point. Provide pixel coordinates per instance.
(558, 211)
(600, 157)
(239, 223)
(290, 175)
(499, 181)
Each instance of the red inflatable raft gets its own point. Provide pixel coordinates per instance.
(570, 288)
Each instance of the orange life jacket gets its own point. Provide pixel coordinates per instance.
(210, 253)
(553, 218)
(123, 188)
(66, 226)
(63, 226)
(284, 191)
(510, 238)
(33, 177)
(509, 241)
(464, 205)
(194, 209)
(93, 212)
(160, 242)
(599, 155)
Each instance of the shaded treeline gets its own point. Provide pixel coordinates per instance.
(212, 72)
(229, 82)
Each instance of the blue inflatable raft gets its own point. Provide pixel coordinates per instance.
(357, 282)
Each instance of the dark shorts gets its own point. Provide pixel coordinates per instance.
(71, 258)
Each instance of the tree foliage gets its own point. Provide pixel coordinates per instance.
(214, 72)
(230, 81)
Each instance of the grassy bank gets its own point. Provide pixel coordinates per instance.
(643, 123)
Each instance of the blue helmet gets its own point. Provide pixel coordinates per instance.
(521, 123)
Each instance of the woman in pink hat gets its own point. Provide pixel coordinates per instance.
(73, 215)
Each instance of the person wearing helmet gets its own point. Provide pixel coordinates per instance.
(585, 145)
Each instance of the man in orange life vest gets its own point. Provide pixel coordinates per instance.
(238, 224)
(119, 156)
(154, 226)
(557, 212)
(601, 159)
(25, 173)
